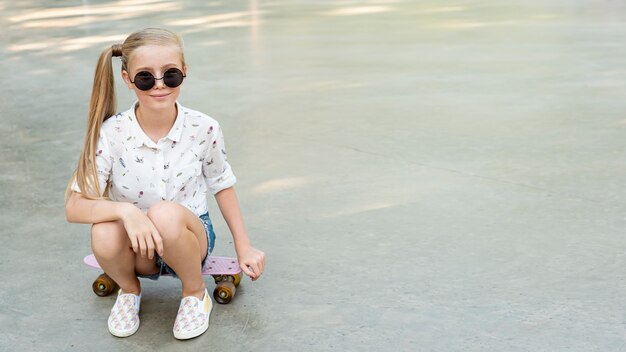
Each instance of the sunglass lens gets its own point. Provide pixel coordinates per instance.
(173, 77)
(144, 80)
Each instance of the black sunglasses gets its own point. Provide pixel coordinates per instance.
(172, 78)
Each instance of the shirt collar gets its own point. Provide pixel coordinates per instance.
(176, 132)
(139, 137)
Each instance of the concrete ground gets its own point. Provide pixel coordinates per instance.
(422, 175)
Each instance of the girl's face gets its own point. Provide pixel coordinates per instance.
(155, 59)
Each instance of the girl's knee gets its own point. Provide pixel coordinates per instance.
(168, 218)
(163, 211)
(108, 239)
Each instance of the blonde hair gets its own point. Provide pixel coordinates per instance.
(103, 103)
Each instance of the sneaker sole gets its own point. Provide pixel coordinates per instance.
(121, 333)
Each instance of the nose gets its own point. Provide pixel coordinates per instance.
(158, 83)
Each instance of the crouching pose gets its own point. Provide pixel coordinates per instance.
(142, 181)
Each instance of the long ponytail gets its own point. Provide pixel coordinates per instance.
(101, 106)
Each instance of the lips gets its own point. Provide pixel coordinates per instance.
(160, 96)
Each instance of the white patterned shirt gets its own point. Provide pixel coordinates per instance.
(181, 167)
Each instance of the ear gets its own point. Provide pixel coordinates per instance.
(126, 78)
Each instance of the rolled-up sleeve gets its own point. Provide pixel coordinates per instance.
(216, 170)
(103, 164)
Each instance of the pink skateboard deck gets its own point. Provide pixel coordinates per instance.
(225, 271)
(212, 265)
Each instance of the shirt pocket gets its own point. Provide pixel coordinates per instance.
(185, 178)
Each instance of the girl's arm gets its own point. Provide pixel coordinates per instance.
(92, 211)
(143, 235)
(251, 260)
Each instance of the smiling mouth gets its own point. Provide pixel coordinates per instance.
(159, 96)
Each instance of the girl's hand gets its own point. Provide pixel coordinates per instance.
(251, 261)
(142, 233)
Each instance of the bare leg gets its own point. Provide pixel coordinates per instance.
(184, 244)
(113, 250)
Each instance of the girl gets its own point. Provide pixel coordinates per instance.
(142, 180)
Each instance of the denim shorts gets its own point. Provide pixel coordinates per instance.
(164, 269)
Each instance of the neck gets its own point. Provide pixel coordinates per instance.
(156, 123)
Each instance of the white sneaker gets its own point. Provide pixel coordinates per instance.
(124, 318)
(193, 317)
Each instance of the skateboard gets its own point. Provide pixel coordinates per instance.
(225, 271)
